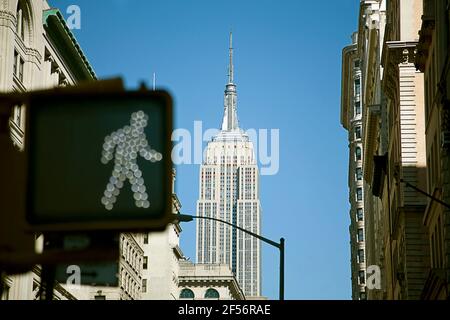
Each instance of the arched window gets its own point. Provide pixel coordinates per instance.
(187, 294)
(212, 294)
(22, 20)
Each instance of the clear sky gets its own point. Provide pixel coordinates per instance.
(287, 70)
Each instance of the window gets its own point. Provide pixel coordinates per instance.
(359, 194)
(145, 263)
(356, 63)
(359, 214)
(362, 277)
(22, 31)
(18, 66)
(21, 66)
(18, 115)
(144, 285)
(362, 296)
(212, 294)
(358, 132)
(146, 238)
(18, 19)
(187, 294)
(22, 19)
(361, 256)
(360, 235)
(358, 174)
(358, 153)
(357, 108)
(357, 86)
(16, 60)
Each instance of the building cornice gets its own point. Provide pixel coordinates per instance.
(177, 251)
(132, 241)
(58, 32)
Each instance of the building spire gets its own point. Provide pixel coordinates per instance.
(231, 67)
(230, 119)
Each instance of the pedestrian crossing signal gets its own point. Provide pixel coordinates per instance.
(99, 161)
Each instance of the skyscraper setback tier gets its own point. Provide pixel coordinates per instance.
(229, 190)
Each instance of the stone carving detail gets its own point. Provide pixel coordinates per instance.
(9, 16)
(402, 55)
(397, 54)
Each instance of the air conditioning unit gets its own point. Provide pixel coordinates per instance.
(445, 139)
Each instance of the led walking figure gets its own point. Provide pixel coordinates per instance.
(127, 143)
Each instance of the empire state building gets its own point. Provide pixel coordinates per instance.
(229, 190)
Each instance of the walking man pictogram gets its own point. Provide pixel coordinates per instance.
(123, 146)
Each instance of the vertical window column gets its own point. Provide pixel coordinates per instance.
(357, 108)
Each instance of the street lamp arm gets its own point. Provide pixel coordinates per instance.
(271, 242)
(188, 218)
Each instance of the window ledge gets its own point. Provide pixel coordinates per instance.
(19, 84)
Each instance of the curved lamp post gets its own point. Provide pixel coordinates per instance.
(280, 246)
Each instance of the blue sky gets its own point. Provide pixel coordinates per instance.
(287, 69)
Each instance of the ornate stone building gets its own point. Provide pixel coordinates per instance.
(433, 59)
(37, 50)
(370, 35)
(162, 256)
(403, 86)
(351, 119)
(395, 149)
(129, 274)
